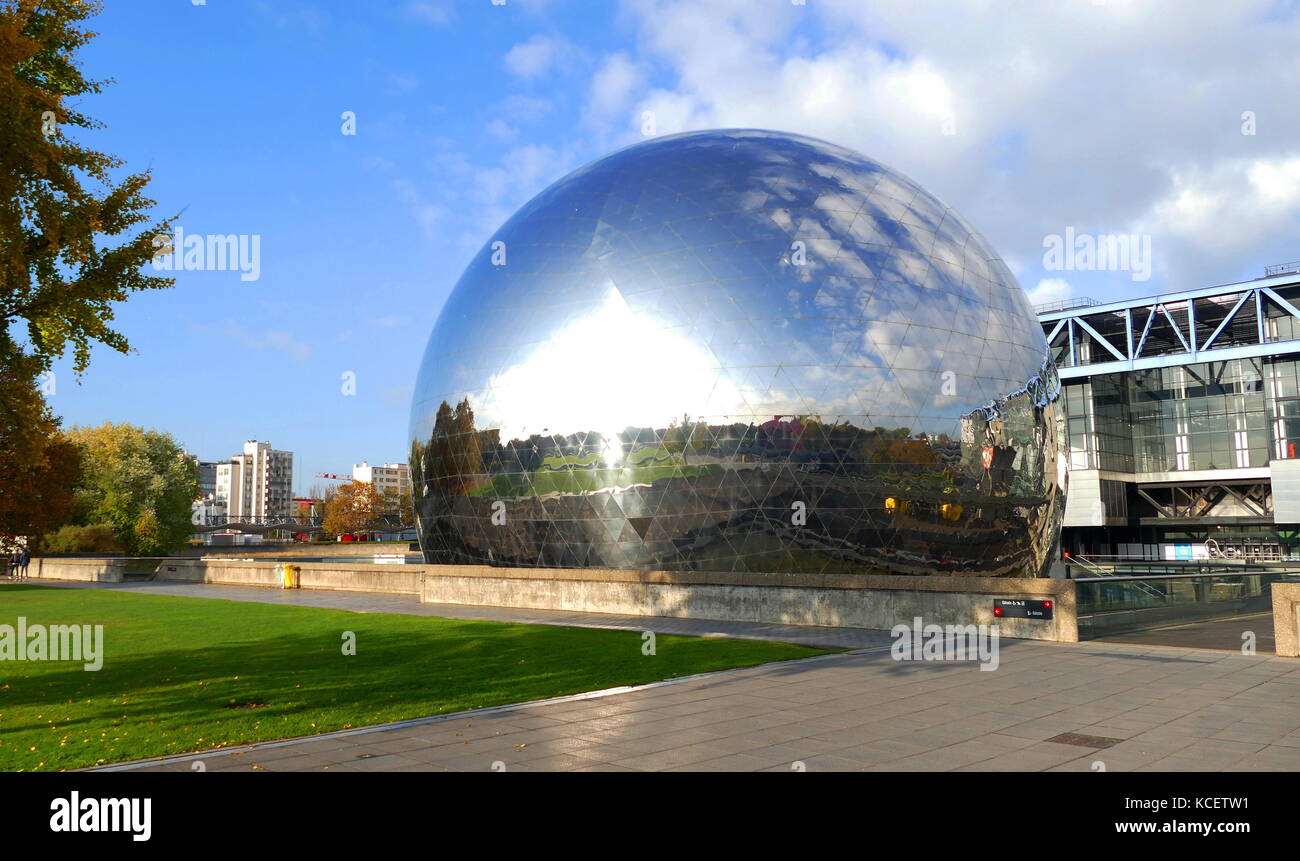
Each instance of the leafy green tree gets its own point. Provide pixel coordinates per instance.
(139, 482)
(66, 246)
(96, 538)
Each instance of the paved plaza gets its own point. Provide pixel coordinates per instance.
(1225, 634)
(1154, 709)
(1048, 707)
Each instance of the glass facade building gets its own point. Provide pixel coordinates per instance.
(738, 351)
(1182, 418)
(1207, 415)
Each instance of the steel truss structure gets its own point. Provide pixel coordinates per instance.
(1210, 324)
(1198, 501)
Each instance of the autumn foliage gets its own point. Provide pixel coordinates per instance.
(39, 465)
(354, 507)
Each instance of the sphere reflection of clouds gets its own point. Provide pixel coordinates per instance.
(692, 334)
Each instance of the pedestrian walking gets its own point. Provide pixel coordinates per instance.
(24, 560)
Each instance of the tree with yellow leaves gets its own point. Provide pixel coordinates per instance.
(354, 507)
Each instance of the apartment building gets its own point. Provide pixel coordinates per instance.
(390, 476)
(257, 483)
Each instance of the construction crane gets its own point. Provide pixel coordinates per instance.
(333, 476)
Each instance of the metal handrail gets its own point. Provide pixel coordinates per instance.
(1165, 566)
(1229, 562)
(1282, 268)
(1131, 578)
(1112, 577)
(1225, 559)
(1065, 305)
(1087, 564)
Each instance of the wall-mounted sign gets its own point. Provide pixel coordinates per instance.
(1022, 608)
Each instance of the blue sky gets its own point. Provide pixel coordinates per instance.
(1105, 118)
(236, 107)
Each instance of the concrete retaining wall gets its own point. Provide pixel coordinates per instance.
(832, 600)
(351, 548)
(1286, 619)
(344, 576)
(790, 599)
(87, 570)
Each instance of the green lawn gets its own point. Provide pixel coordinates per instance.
(187, 674)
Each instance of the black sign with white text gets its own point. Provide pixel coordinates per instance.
(1022, 608)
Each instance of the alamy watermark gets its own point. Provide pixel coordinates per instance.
(212, 252)
(133, 816)
(1103, 252)
(83, 643)
(921, 642)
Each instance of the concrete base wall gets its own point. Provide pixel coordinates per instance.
(1286, 619)
(790, 599)
(352, 548)
(832, 600)
(86, 570)
(343, 576)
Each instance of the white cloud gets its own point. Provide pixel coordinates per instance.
(612, 87)
(292, 15)
(428, 215)
(1109, 117)
(534, 57)
(436, 12)
(523, 109)
(1025, 118)
(277, 340)
(404, 82)
(1049, 290)
(1228, 206)
(502, 130)
(498, 191)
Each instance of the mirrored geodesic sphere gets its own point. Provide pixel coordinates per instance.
(738, 351)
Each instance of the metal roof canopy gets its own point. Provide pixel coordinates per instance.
(1141, 316)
